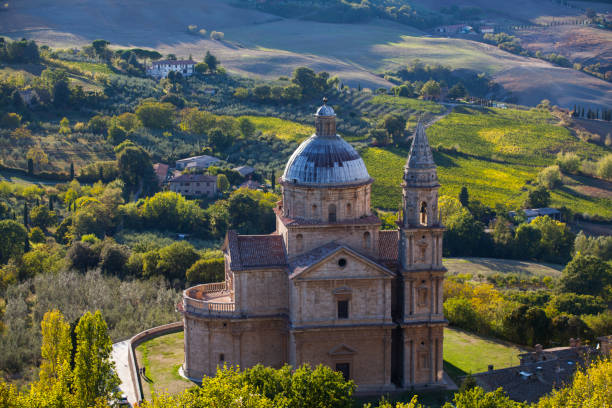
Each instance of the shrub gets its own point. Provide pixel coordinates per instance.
(42, 217)
(37, 236)
(10, 121)
(568, 162)
(82, 256)
(217, 35)
(206, 271)
(538, 198)
(604, 167)
(550, 177)
(156, 115)
(12, 240)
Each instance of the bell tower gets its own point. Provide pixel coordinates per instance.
(420, 266)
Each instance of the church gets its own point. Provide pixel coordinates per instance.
(329, 286)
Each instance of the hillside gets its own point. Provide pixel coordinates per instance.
(496, 154)
(264, 45)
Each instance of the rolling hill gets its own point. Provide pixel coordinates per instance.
(263, 45)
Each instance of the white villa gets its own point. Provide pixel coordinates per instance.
(161, 69)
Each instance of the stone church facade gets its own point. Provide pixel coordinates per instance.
(329, 286)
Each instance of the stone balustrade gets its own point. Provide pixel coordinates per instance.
(195, 300)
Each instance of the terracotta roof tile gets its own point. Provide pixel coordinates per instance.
(255, 251)
(388, 249)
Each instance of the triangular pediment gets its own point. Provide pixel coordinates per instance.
(337, 261)
(342, 350)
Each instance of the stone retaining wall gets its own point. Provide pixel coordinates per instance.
(140, 338)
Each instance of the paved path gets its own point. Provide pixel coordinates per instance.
(120, 357)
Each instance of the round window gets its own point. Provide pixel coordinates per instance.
(342, 262)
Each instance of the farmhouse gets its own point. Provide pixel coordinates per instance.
(194, 185)
(328, 286)
(532, 213)
(196, 162)
(161, 69)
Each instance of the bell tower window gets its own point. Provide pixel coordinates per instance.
(423, 213)
(331, 213)
(299, 242)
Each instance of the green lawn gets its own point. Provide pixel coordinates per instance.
(466, 353)
(162, 357)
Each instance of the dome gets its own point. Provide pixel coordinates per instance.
(325, 162)
(325, 111)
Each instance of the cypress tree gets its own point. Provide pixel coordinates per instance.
(50, 203)
(30, 166)
(71, 171)
(464, 196)
(25, 215)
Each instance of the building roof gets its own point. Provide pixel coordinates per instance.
(388, 249)
(533, 379)
(255, 251)
(174, 62)
(325, 160)
(245, 170)
(420, 156)
(203, 158)
(161, 170)
(194, 178)
(531, 213)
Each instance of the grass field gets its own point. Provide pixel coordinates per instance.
(490, 266)
(411, 104)
(514, 136)
(282, 129)
(500, 152)
(466, 353)
(486, 181)
(162, 358)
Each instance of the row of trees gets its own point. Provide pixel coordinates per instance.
(575, 307)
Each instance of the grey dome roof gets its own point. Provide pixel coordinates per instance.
(325, 161)
(325, 111)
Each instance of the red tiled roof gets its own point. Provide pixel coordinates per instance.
(255, 251)
(388, 249)
(161, 170)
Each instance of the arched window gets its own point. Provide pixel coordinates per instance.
(299, 242)
(367, 240)
(331, 210)
(423, 213)
(314, 210)
(349, 209)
